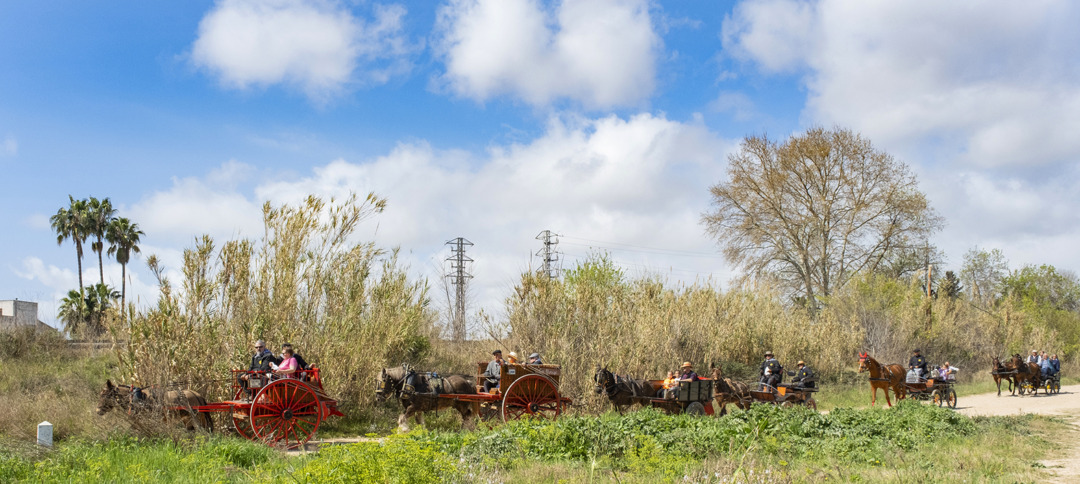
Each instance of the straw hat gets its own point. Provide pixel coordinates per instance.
(800, 363)
(686, 364)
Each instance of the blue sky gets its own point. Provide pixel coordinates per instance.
(602, 120)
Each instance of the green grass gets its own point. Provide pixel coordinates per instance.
(909, 443)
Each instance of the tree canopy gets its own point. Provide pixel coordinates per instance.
(817, 209)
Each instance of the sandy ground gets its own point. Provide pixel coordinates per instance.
(1066, 468)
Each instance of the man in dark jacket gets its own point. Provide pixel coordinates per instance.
(918, 363)
(771, 371)
(260, 361)
(804, 376)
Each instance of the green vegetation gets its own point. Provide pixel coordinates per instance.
(911, 442)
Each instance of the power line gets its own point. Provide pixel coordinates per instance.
(638, 248)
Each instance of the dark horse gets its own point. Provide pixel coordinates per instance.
(622, 391)
(883, 377)
(1003, 372)
(726, 390)
(419, 392)
(1027, 372)
(172, 403)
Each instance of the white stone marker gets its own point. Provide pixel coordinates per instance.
(44, 434)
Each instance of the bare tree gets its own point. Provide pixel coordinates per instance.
(984, 273)
(816, 210)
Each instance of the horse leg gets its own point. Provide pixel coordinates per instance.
(887, 396)
(403, 420)
(873, 395)
(997, 381)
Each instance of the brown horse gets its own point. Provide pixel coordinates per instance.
(623, 391)
(419, 392)
(172, 403)
(726, 390)
(1003, 372)
(1027, 372)
(883, 377)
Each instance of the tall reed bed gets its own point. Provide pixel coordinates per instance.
(347, 306)
(598, 316)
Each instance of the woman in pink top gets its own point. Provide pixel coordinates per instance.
(288, 366)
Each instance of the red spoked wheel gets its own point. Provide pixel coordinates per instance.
(242, 424)
(286, 414)
(531, 395)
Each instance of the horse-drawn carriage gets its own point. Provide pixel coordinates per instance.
(936, 390)
(785, 395)
(690, 397)
(524, 390)
(1052, 383)
(281, 412)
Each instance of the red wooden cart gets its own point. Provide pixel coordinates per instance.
(281, 412)
(524, 390)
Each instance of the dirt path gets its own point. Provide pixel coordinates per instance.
(1066, 404)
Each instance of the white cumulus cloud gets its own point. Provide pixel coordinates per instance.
(10, 146)
(319, 46)
(600, 53)
(990, 84)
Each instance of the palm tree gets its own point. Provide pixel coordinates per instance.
(100, 216)
(123, 236)
(70, 223)
(73, 311)
(99, 298)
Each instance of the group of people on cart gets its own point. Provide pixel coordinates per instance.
(265, 362)
(670, 386)
(1049, 364)
(919, 370)
(493, 373)
(772, 374)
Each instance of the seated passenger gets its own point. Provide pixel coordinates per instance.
(1055, 364)
(1047, 368)
(512, 357)
(804, 377)
(947, 372)
(493, 372)
(771, 372)
(288, 366)
(534, 359)
(686, 372)
(669, 382)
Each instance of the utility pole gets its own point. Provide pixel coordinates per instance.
(548, 255)
(458, 277)
(929, 271)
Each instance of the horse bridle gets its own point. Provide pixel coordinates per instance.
(865, 358)
(387, 382)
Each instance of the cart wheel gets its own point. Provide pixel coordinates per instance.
(243, 426)
(936, 398)
(810, 402)
(950, 398)
(533, 395)
(695, 408)
(286, 413)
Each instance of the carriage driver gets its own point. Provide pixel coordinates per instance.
(771, 371)
(804, 377)
(918, 363)
(493, 372)
(260, 361)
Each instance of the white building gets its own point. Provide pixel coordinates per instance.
(16, 314)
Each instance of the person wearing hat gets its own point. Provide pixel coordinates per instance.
(512, 357)
(772, 372)
(260, 362)
(493, 372)
(804, 376)
(686, 372)
(534, 359)
(1034, 358)
(918, 363)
